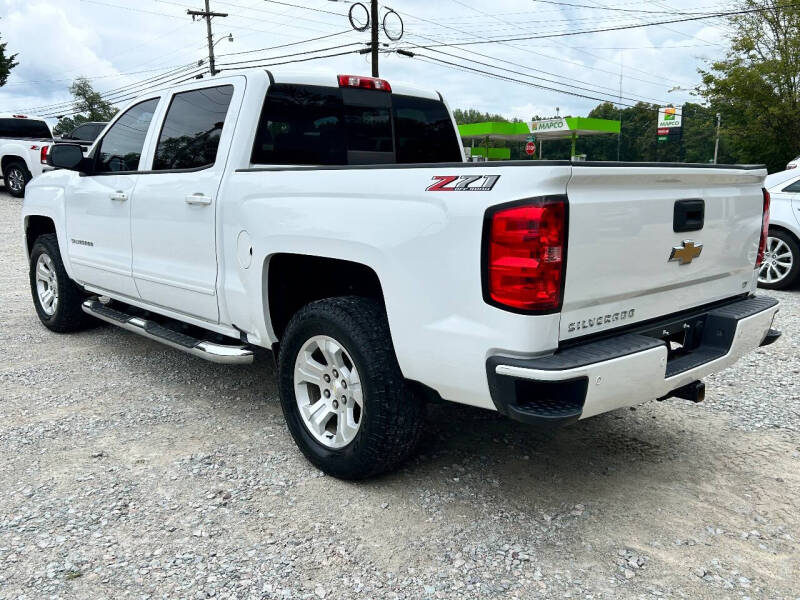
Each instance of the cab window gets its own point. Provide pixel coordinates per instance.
(121, 147)
(190, 135)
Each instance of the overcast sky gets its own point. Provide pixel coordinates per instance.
(120, 42)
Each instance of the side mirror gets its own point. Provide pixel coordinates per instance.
(68, 156)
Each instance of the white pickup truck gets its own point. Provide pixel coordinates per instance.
(334, 221)
(24, 141)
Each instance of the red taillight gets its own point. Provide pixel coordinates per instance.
(366, 83)
(525, 254)
(762, 243)
(43, 154)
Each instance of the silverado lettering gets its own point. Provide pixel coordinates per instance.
(601, 320)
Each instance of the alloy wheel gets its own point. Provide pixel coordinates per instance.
(328, 392)
(16, 179)
(778, 261)
(47, 284)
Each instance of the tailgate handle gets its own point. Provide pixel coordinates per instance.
(689, 215)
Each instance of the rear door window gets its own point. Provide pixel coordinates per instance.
(190, 135)
(320, 125)
(300, 125)
(24, 129)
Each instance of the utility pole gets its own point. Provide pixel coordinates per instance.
(716, 143)
(619, 136)
(208, 15)
(374, 21)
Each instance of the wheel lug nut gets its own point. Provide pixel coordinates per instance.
(335, 373)
(335, 404)
(344, 400)
(344, 384)
(327, 378)
(327, 393)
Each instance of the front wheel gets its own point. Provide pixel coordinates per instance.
(781, 264)
(16, 177)
(56, 297)
(346, 403)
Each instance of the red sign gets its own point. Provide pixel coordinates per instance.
(530, 148)
(663, 131)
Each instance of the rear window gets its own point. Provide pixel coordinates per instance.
(87, 132)
(424, 131)
(319, 125)
(24, 129)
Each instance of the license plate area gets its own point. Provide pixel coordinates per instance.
(681, 336)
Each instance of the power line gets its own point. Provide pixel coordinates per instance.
(112, 92)
(555, 82)
(617, 9)
(311, 8)
(511, 79)
(288, 62)
(522, 49)
(607, 29)
(322, 37)
(239, 62)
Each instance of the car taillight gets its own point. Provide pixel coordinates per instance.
(366, 83)
(525, 247)
(43, 154)
(762, 243)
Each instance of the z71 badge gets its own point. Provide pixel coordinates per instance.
(464, 183)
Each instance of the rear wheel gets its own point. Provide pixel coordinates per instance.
(16, 177)
(781, 261)
(346, 403)
(56, 297)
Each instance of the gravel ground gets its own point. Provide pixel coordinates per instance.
(133, 471)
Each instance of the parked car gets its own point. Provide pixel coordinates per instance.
(334, 221)
(84, 134)
(793, 163)
(24, 141)
(781, 266)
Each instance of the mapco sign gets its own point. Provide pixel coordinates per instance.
(670, 121)
(669, 117)
(549, 125)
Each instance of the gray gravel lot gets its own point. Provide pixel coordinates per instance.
(130, 470)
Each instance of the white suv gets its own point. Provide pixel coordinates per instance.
(24, 142)
(781, 265)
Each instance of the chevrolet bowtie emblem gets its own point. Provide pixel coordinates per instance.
(686, 252)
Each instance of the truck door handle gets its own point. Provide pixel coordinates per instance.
(119, 196)
(197, 199)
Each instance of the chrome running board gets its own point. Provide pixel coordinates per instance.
(218, 353)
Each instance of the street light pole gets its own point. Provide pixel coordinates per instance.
(716, 142)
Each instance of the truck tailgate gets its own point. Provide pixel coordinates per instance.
(622, 222)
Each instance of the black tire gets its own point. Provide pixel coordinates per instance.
(13, 171)
(791, 277)
(67, 315)
(393, 415)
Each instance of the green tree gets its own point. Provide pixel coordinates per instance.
(6, 64)
(756, 87)
(88, 105)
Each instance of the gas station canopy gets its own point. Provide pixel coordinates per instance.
(547, 129)
(568, 127)
(496, 130)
